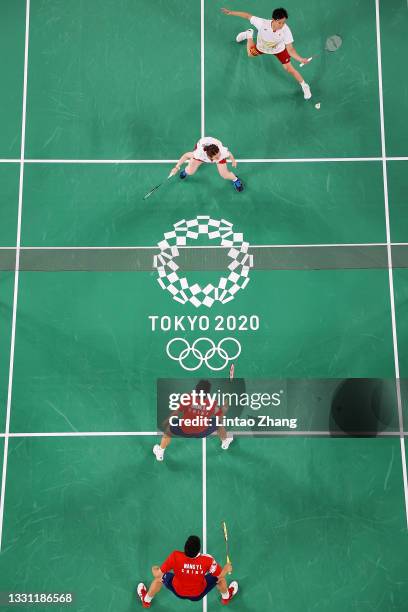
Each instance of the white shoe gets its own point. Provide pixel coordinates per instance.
(244, 35)
(225, 443)
(232, 590)
(159, 452)
(307, 94)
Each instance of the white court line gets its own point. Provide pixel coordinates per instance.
(192, 246)
(80, 434)
(202, 69)
(16, 274)
(389, 252)
(204, 476)
(124, 434)
(260, 160)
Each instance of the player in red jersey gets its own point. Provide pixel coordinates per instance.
(193, 575)
(203, 410)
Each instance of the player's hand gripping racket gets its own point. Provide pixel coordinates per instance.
(149, 193)
(225, 531)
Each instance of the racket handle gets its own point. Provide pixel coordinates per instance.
(309, 59)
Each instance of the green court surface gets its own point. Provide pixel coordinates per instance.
(116, 92)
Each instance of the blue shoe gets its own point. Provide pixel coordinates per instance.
(183, 174)
(238, 185)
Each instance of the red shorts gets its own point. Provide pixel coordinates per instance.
(222, 161)
(283, 56)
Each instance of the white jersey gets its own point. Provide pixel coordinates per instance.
(201, 155)
(269, 41)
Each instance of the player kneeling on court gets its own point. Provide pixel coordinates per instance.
(193, 575)
(195, 418)
(209, 151)
(274, 38)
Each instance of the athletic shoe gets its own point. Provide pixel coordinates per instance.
(307, 94)
(226, 443)
(142, 592)
(233, 590)
(244, 35)
(238, 184)
(183, 174)
(159, 452)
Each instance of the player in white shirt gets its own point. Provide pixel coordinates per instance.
(274, 38)
(209, 151)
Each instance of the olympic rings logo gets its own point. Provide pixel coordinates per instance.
(203, 355)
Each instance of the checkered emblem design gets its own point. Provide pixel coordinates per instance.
(235, 278)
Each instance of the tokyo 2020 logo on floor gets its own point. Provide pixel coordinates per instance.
(222, 233)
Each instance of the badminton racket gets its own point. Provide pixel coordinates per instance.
(149, 193)
(225, 531)
(333, 43)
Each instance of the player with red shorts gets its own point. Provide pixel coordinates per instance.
(274, 38)
(198, 407)
(189, 575)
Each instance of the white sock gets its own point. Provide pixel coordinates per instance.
(225, 595)
(148, 599)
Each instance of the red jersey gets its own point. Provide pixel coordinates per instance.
(189, 572)
(201, 410)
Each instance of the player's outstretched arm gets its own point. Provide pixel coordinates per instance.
(232, 160)
(293, 53)
(237, 13)
(181, 161)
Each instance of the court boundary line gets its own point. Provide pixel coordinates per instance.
(265, 434)
(389, 255)
(202, 128)
(260, 160)
(192, 246)
(16, 274)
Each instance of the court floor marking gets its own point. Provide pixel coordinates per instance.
(210, 246)
(255, 434)
(266, 160)
(389, 253)
(16, 273)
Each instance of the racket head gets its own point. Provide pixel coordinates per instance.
(333, 43)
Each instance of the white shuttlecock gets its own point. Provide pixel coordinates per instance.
(317, 105)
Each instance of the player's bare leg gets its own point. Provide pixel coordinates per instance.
(296, 75)
(227, 593)
(155, 587)
(230, 176)
(225, 173)
(159, 449)
(192, 166)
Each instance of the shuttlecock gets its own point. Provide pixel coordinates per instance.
(317, 105)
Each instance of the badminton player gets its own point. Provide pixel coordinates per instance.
(189, 410)
(209, 151)
(274, 38)
(189, 575)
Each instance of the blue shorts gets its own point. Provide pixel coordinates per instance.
(209, 578)
(177, 431)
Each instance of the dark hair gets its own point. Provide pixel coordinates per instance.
(280, 13)
(203, 385)
(211, 150)
(192, 546)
